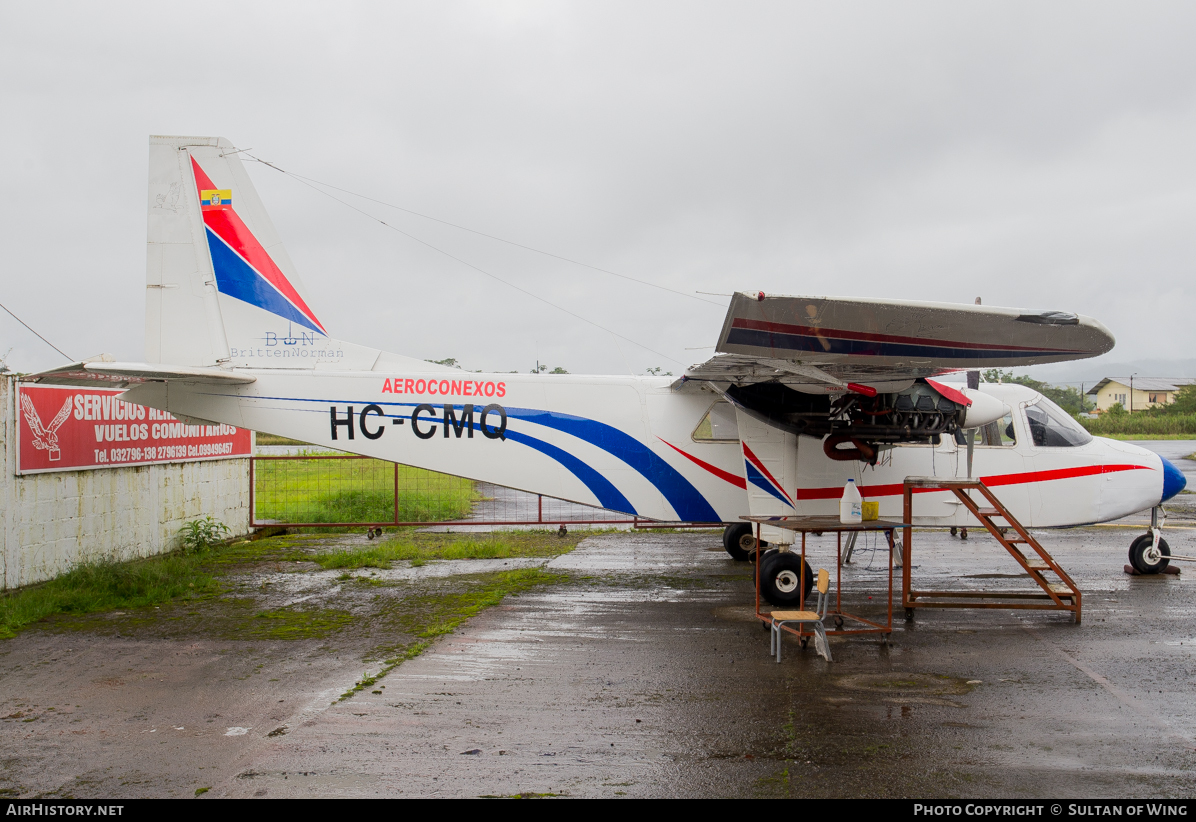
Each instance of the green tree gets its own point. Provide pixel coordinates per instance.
(1066, 397)
(543, 369)
(658, 372)
(1184, 403)
(451, 362)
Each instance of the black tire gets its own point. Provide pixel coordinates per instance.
(779, 576)
(739, 540)
(765, 558)
(1141, 557)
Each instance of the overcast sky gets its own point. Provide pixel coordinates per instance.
(1040, 155)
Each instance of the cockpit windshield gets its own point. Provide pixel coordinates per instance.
(1052, 427)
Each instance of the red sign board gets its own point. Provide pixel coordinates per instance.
(71, 429)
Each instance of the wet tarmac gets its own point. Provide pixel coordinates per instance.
(1177, 451)
(644, 673)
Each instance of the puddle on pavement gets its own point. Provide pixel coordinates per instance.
(549, 686)
(905, 683)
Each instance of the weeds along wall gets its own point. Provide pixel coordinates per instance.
(53, 521)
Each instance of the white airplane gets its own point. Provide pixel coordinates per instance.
(803, 393)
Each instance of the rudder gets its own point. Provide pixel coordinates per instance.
(220, 287)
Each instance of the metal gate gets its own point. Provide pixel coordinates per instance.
(342, 490)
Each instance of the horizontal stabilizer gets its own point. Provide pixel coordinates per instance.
(125, 374)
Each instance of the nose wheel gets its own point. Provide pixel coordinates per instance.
(1146, 557)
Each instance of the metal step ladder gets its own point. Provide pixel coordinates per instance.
(1059, 591)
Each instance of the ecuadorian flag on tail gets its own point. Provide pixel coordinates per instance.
(216, 198)
(244, 270)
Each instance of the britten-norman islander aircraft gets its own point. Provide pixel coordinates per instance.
(802, 394)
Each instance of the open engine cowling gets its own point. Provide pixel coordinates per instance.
(853, 425)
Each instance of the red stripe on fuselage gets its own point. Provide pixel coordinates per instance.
(833, 333)
(992, 482)
(229, 227)
(738, 482)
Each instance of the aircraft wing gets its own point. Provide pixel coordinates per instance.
(830, 341)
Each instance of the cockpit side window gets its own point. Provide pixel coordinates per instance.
(1052, 427)
(999, 434)
(718, 425)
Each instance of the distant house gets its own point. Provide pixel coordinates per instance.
(1148, 392)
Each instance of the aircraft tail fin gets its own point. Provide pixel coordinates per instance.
(220, 287)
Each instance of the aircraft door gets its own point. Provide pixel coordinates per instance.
(1060, 445)
(770, 466)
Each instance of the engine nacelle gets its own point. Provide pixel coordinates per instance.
(853, 425)
(984, 409)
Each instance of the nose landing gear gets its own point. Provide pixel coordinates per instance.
(1148, 558)
(1150, 554)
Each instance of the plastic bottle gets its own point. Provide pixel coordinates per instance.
(851, 505)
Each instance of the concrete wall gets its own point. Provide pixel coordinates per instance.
(51, 522)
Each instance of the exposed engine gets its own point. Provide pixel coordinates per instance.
(852, 425)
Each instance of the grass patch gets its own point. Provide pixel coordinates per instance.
(1143, 426)
(294, 623)
(356, 491)
(273, 439)
(429, 617)
(105, 586)
(419, 548)
(381, 556)
(1145, 437)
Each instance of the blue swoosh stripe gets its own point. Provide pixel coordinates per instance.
(608, 495)
(686, 500)
(237, 279)
(760, 481)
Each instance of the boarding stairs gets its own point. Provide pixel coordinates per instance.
(1058, 591)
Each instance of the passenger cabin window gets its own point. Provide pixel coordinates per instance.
(996, 434)
(718, 424)
(1052, 427)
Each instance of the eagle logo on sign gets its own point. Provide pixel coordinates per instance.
(45, 439)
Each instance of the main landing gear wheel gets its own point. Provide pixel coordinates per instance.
(740, 541)
(781, 577)
(1145, 558)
